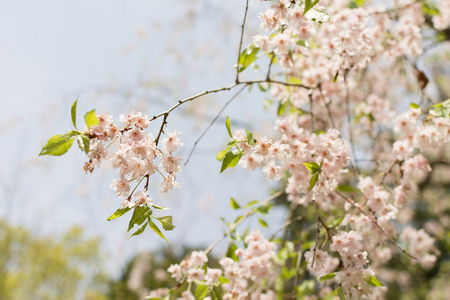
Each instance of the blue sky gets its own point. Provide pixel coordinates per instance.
(116, 56)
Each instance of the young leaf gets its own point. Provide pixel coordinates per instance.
(118, 213)
(281, 108)
(231, 252)
(326, 277)
(156, 229)
(230, 160)
(84, 143)
(264, 209)
(356, 3)
(312, 167)
(302, 43)
(139, 215)
(250, 139)
(335, 78)
(317, 16)
(201, 291)
(91, 119)
(372, 280)
(227, 124)
(222, 153)
(313, 181)
(335, 222)
(251, 203)
(166, 222)
(140, 230)
(346, 188)
(309, 4)
(414, 105)
(306, 288)
(59, 144)
(247, 57)
(429, 9)
(159, 207)
(223, 280)
(341, 293)
(234, 204)
(262, 222)
(73, 113)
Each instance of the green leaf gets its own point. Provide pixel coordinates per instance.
(224, 280)
(201, 291)
(262, 88)
(216, 295)
(140, 230)
(159, 207)
(335, 78)
(319, 132)
(231, 252)
(356, 3)
(118, 213)
(222, 153)
(59, 144)
(247, 57)
(326, 277)
(166, 222)
(227, 124)
(312, 167)
(346, 189)
(91, 119)
(230, 160)
(156, 229)
(250, 139)
(313, 180)
(251, 203)
(234, 204)
(281, 108)
(291, 57)
(84, 143)
(139, 215)
(414, 105)
(317, 16)
(308, 5)
(262, 222)
(335, 222)
(429, 9)
(372, 280)
(264, 209)
(302, 43)
(306, 288)
(341, 293)
(73, 113)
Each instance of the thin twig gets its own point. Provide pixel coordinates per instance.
(318, 233)
(212, 122)
(226, 88)
(161, 130)
(385, 173)
(240, 42)
(240, 221)
(376, 224)
(327, 105)
(312, 112)
(349, 122)
(286, 225)
(270, 66)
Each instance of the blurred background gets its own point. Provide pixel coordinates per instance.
(115, 56)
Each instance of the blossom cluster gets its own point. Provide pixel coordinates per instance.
(295, 147)
(254, 265)
(136, 156)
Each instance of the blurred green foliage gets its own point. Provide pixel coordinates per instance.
(47, 268)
